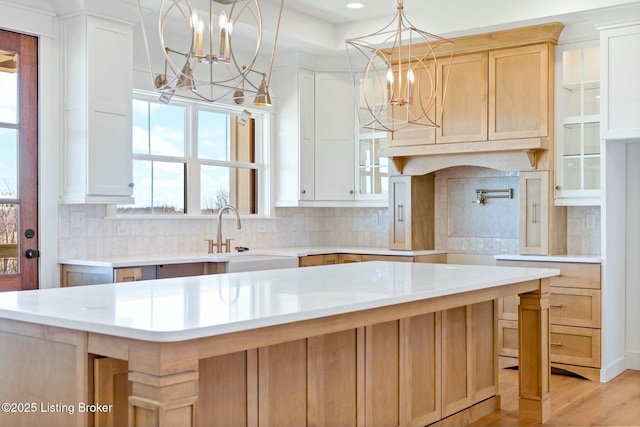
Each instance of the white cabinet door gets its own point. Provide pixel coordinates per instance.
(620, 83)
(335, 137)
(306, 93)
(97, 61)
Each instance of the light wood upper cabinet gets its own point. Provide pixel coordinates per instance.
(463, 103)
(416, 134)
(519, 95)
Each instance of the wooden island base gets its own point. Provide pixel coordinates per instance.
(417, 363)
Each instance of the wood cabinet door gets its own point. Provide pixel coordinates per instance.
(519, 92)
(533, 212)
(416, 134)
(463, 102)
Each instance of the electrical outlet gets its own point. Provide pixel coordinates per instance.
(122, 230)
(76, 219)
(374, 218)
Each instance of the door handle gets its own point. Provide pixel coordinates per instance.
(32, 253)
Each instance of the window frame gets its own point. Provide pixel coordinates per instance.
(262, 144)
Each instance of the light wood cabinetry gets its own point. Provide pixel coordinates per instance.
(80, 275)
(412, 371)
(411, 200)
(96, 144)
(464, 104)
(542, 224)
(468, 377)
(312, 260)
(575, 313)
(520, 94)
(499, 98)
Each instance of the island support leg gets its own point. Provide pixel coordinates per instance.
(164, 386)
(535, 370)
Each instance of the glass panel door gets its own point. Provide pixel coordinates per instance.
(18, 162)
(578, 134)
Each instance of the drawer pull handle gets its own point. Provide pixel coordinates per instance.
(557, 305)
(556, 344)
(400, 213)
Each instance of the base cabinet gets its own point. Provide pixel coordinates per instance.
(575, 311)
(409, 372)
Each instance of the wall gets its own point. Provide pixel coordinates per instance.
(632, 292)
(85, 232)
(473, 229)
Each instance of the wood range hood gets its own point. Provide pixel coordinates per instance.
(499, 109)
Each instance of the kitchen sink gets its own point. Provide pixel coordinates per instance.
(242, 261)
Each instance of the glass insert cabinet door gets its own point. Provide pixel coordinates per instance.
(373, 170)
(578, 126)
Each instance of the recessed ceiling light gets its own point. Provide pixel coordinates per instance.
(355, 5)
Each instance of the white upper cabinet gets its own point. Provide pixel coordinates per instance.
(334, 137)
(316, 142)
(578, 124)
(96, 144)
(620, 83)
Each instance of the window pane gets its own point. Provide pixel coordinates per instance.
(159, 188)
(140, 121)
(8, 163)
(167, 130)
(8, 88)
(8, 239)
(223, 186)
(214, 136)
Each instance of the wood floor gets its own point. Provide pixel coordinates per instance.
(575, 401)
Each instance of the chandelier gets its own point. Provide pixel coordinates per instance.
(199, 54)
(398, 72)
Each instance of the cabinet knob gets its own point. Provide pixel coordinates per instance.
(303, 191)
(351, 192)
(131, 184)
(558, 187)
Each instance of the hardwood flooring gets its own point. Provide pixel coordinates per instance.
(574, 401)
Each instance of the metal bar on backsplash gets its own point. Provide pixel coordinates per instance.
(483, 194)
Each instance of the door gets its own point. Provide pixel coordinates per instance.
(18, 162)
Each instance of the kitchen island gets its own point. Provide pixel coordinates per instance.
(376, 343)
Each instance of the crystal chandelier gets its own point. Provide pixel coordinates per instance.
(200, 57)
(397, 72)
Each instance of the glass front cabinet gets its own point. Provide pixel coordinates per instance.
(578, 124)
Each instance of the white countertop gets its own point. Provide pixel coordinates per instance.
(193, 307)
(178, 258)
(585, 259)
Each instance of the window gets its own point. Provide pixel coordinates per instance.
(193, 158)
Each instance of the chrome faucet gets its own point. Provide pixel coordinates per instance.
(218, 244)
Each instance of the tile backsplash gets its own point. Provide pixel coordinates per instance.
(85, 232)
(461, 226)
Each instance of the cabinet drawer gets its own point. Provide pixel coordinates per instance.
(572, 275)
(569, 345)
(575, 346)
(575, 307)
